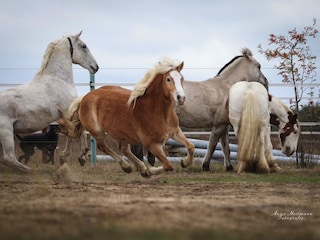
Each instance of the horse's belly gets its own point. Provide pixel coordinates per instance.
(195, 118)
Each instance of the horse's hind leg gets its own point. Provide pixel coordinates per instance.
(65, 155)
(9, 157)
(241, 166)
(125, 149)
(262, 165)
(101, 144)
(274, 167)
(213, 140)
(226, 151)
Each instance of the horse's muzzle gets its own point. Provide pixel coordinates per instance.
(180, 99)
(94, 68)
(288, 151)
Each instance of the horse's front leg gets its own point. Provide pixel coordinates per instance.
(181, 138)
(157, 150)
(226, 151)
(213, 140)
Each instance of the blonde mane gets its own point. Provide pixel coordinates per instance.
(47, 55)
(163, 66)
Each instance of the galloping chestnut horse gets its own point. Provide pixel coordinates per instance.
(144, 116)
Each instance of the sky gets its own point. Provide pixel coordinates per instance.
(128, 37)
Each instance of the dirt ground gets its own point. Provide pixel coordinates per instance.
(102, 202)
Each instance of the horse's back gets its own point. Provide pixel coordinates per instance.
(237, 95)
(106, 110)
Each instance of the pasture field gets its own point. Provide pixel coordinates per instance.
(102, 202)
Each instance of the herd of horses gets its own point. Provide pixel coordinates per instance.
(155, 110)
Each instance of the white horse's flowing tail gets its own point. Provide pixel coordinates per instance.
(75, 128)
(249, 145)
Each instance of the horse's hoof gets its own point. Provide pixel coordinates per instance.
(82, 161)
(229, 168)
(127, 169)
(206, 167)
(145, 175)
(182, 164)
(171, 168)
(151, 161)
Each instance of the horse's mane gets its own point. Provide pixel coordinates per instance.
(163, 66)
(245, 53)
(47, 56)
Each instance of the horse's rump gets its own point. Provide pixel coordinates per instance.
(107, 108)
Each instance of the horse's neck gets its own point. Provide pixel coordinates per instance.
(155, 98)
(231, 76)
(59, 65)
(280, 110)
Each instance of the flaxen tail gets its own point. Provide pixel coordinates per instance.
(249, 130)
(72, 123)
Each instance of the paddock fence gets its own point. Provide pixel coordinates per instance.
(309, 138)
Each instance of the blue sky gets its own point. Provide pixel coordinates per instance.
(128, 37)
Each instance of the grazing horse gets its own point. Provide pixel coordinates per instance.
(33, 106)
(250, 108)
(286, 121)
(205, 103)
(143, 116)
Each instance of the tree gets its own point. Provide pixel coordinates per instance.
(296, 62)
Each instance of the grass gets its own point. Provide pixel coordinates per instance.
(111, 172)
(108, 173)
(288, 174)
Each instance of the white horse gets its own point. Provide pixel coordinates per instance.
(34, 105)
(250, 108)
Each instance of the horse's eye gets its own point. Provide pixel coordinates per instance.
(84, 46)
(168, 79)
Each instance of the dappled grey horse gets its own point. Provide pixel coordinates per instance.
(46, 98)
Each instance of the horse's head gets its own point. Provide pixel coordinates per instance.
(80, 53)
(172, 84)
(289, 135)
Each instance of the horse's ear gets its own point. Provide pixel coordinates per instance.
(78, 35)
(179, 68)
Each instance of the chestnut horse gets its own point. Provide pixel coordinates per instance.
(144, 116)
(204, 107)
